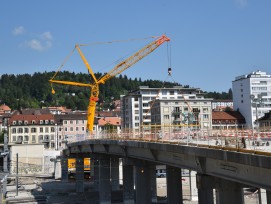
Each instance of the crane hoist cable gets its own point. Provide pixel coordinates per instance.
(190, 108)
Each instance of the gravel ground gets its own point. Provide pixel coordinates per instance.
(44, 190)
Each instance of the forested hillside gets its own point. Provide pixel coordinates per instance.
(33, 91)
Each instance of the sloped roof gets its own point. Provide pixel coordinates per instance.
(30, 118)
(227, 115)
(267, 116)
(4, 107)
(111, 120)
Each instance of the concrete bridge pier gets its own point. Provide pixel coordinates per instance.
(152, 170)
(229, 192)
(143, 183)
(79, 174)
(268, 196)
(174, 185)
(64, 169)
(115, 173)
(96, 172)
(104, 181)
(128, 181)
(205, 185)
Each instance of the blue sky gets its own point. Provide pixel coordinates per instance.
(212, 41)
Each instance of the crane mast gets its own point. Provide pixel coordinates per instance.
(119, 68)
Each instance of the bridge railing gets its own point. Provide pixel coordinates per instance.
(233, 140)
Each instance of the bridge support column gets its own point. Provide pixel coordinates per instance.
(79, 174)
(268, 196)
(115, 173)
(105, 185)
(153, 183)
(64, 169)
(205, 185)
(229, 192)
(128, 182)
(143, 184)
(174, 185)
(96, 174)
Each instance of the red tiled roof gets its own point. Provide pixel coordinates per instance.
(227, 115)
(30, 118)
(111, 120)
(5, 108)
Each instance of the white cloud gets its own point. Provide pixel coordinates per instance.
(35, 44)
(43, 42)
(18, 30)
(242, 3)
(39, 45)
(46, 36)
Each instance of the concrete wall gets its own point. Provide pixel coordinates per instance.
(30, 159)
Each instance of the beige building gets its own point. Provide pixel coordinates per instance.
(32, 129)
(176, 114)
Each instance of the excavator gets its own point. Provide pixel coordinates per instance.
(119, 68)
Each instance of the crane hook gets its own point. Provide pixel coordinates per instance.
(169, 71)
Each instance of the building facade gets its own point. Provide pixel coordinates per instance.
(32, 129)
(256, 86)
(70, 127)
(177, 114)
(136, 107)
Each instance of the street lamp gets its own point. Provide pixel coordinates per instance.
(256, 102)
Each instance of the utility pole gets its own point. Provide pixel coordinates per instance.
(17, 174)
(5, 159)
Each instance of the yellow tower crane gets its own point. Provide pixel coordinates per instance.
(119, 68)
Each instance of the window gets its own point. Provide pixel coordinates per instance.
(13, 130)
(136, 117)
(77, 128)
(40, 138)
(41, 129)
(52, 129)
(26, 138)
(33, 130)
(171, 93)
(46, 129)
(136, 105)
(20, 130)
(26, 130)
(136, 99)
(41, 121)
(14, 122)
(164, 92)
(14, 138)
(145, 105)
(52, 137)
(33, 138)
(71, 122)
(71, 129)
(83, 128)
(166, 117)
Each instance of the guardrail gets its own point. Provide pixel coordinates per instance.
(240, 140)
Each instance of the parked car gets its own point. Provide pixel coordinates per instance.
(161, 173)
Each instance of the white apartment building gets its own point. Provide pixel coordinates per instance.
(136, 106)
(256, 83)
